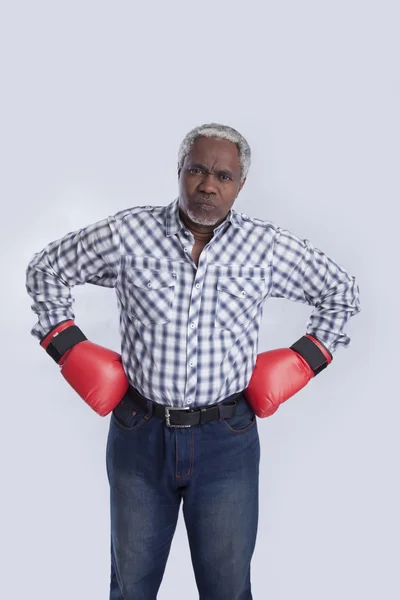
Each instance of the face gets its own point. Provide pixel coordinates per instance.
(209, 181)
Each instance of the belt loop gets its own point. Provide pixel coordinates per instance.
(202, 415)
(150, 405)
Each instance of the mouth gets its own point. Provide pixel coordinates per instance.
(203, 207)
(202, 202)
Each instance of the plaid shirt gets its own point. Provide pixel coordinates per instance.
(189, 335)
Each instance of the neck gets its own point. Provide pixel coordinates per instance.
(200, 232)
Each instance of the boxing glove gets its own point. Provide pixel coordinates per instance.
(279, 374)
(93, 371)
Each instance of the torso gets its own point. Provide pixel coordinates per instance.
(197, 248)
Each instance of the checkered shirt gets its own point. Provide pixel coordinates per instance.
(189, 335)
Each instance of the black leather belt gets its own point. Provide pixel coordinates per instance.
(185, 416)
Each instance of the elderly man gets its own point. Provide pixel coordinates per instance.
(191, 280)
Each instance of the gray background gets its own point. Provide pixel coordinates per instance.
(95, 100)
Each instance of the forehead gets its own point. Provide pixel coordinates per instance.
(216, 151)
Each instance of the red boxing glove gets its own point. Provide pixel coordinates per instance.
(279, 374)
(93, 371)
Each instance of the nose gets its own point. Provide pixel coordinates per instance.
(208, 184)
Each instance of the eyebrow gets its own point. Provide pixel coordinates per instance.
(220, 171)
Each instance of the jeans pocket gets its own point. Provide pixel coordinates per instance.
(243, 420)
(129, 417)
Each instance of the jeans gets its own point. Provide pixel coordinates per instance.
(214, 469)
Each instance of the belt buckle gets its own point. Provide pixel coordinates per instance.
(167, 415)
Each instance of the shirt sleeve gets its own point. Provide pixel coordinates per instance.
(303, 273)
(90, 255)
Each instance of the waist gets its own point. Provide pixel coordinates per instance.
(184, 416)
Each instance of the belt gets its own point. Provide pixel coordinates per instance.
(185, 416)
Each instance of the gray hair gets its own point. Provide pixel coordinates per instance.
(216, 130)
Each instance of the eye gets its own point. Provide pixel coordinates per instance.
(194, 171)
(227, 178)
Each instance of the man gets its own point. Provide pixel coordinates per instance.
(191, 280)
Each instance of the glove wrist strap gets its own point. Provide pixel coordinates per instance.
(312, 354)
(64, 341)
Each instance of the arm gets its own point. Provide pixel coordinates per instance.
(302, 273)
(90, 255)
(305, 274)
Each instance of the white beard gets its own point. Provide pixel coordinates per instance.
(201, 220)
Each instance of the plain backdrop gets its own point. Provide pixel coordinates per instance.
(95, 100)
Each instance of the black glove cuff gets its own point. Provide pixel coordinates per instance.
(63, 341)
(311, 354)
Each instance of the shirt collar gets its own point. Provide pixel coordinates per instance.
(173, 223)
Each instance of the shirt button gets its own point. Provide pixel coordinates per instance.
(149, 284)
(242, 293)
(191, 364)
(185, 249)
(189, 401)
(197, 285)
(245, 217)
(192, 325)
(185, 233)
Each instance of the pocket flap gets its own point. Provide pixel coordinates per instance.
(150, 279)
(241, 287)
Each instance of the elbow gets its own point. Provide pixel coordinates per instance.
(355, 296)
(30, 272)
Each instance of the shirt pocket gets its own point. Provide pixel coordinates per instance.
(238, 301)
(149, 294)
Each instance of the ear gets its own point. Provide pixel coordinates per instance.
(242, 184)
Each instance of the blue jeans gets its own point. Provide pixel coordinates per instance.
(214, 468)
